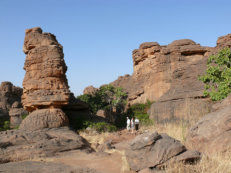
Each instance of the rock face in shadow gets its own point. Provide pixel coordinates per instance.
(168, 75)
(212, 133)
(17, 145)
(8, 95)
(153, 150)
(16, 112)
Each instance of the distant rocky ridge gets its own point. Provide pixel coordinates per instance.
(9, 94)
(10, 104)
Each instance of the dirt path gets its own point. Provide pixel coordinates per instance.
(110, 161)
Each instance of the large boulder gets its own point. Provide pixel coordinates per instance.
(17, 145)
(153, 150)
(212, 133)
(44, 118)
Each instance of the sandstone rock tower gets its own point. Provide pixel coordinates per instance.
(45, 87)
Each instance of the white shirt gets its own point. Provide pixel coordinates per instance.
(137, 121)
(128, 121)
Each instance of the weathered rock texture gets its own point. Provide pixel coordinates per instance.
(45, 88)
(8, 95)
(153, 150)
(168, 75)
(45, 118)
(16, 145)
(212, 133)
(45, 83)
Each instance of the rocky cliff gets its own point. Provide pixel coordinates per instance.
(168, 75)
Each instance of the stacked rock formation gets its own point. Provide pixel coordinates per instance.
(45, 84)
(45, 96)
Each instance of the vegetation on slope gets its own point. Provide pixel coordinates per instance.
(218, 75)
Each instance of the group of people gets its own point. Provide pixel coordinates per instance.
(133, 124)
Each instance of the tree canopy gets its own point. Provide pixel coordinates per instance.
(106, 97)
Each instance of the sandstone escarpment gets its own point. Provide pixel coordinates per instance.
(168, 75)
(158, 68)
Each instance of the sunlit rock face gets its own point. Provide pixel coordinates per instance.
(168, 75)
(45, 83)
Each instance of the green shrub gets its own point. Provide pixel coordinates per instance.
(100, 126)
(106, 97)
(218, 75)
(24, 116)
(140, 111)
(4, 123)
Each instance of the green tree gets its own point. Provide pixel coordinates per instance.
(107, 97)
(218, 75)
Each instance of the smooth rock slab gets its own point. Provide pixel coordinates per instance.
(18, 145)
(41, 167)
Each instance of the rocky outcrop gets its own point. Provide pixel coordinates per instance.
(45, 83)
(168, 75)
(153, 150)
(90, 90)
(212, 133)
(17, 145)
(46, 92)
(8, 95)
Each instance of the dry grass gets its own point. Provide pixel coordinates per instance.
(94, 139)
(178, 129)
(216, 163)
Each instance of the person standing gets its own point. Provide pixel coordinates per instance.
(137, 122)
(128, 124)
(132, 124)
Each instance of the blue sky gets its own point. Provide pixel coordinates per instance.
(98, 36)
